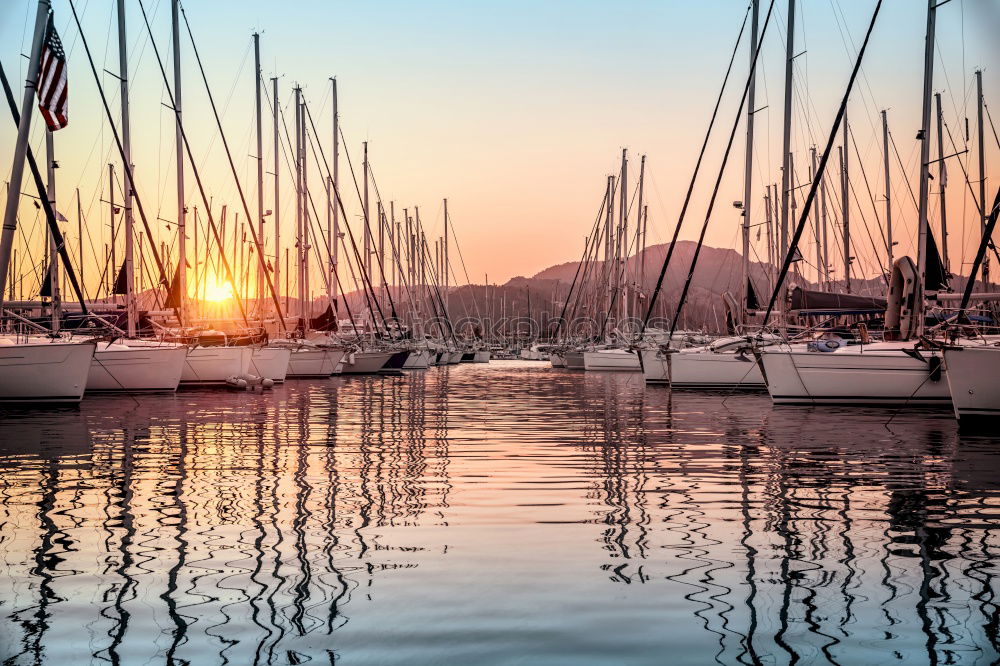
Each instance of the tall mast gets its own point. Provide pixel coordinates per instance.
(824, 229)
(845, 202)
(786, 140)
(368, 232)
(621, 247)
(79, 234)
(179, 137)
(299, 235)
(444, 250)
(748, 166)
(260, 169)
(277, 201)
(306, 223)
(53, 250)
(983, 213)
(608, 250)
(942, 185)
(21, 144)
(925, 148)
(888, 198)
(640, 228)
(768, 223)
(394, 243)
(110, 248)
(126, 137)
(335, 185)
(816, 220)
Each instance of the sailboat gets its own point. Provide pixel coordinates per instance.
(130, 363)
(615, 355)
(901, 369)
(36, 369)
(727, 363)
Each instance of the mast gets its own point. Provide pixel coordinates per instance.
(299, 237)
(335, 185)
(621, 246)
(367, 268)
(277, 200)
(816, 220)
(786, 137)
(824, 226)
(126, 135)
(53, 250)
(983, 213)
(888, 198)
(640, 229)
(79, 233)
(306, 223)
(179, 137)
(110, 249)
(845, 188)
(444, 249)
(748, 165)
(942, 185)
(608, 233)
(260, 170)
(21, 144)
(925, 148)
(769, 224)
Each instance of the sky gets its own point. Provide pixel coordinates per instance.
(517, 112)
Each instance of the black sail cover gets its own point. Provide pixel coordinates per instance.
(804, 299)
(326, 321)
(935, 278)
(46, 287)
(120, 286)
(752, 302)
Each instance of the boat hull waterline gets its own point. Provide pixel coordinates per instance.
(136, 369)
(44, 372)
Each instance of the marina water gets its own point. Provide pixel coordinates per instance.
(496, 514)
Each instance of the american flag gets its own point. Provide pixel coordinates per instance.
(52, 84)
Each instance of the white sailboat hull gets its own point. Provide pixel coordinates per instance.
(702, 370)
(419, 359)
(362, 363)
(44, 372)
(133, 369)
(481, 356)
(454, 358)
(270, 363)
(884, 377)
(557, 360)
(974, 381)
(213, 365)
(314, 362)
(616, 360)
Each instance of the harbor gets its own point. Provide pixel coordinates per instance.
(422, 345)
(581, 519)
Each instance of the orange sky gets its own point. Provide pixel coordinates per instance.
(517, 113)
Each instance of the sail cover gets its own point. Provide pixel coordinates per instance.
(935, 277)
(822, 302)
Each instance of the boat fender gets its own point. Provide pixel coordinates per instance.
(823, 345)
(236, 382)
(936, 367)
(267, 383)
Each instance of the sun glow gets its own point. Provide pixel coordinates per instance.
(216, 292)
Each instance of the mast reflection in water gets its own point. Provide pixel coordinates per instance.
(493, 514)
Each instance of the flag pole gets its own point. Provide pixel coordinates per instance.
(21, 145)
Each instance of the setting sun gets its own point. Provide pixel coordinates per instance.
(216, 292)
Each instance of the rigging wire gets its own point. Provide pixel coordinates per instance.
(694, 176)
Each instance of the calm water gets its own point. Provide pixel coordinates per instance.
(501, 514)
